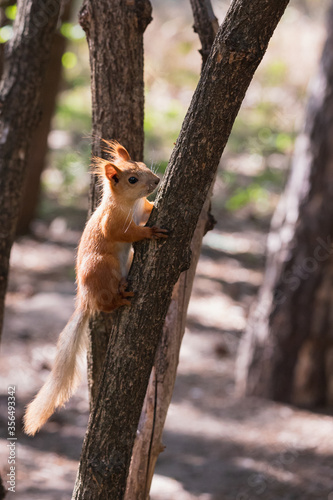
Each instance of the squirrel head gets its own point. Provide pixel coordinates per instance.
(127, 179)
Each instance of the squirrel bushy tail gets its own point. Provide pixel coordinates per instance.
(65, 375)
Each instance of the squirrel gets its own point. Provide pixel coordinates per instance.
(103, 260)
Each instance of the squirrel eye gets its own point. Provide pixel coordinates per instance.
(132, 180)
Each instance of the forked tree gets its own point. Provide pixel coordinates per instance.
(118, 388)
(148, 442)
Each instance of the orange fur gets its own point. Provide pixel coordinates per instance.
(103, 260)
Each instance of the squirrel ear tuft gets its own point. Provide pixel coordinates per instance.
(111, 172)
(122, 152)
(116, 150)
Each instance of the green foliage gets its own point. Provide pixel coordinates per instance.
(6, 32)
(275, 73)
(69, 60)
(10, 12)
(253, 190)
(184, 77)
(254, 193)
(163, 124)
(67, 177)
(74, 111)
(72, 32)
(185, 47)
(251, 133)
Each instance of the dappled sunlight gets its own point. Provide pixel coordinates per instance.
(217, 311)
(267, 451)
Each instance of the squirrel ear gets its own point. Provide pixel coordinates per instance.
(111, 172)
(122, 152)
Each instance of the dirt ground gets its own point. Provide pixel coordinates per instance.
(218, 447)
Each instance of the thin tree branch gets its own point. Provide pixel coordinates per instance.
(205, 24)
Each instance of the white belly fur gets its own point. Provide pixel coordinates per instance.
(125, 254)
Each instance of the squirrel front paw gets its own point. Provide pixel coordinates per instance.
(123, 284)
(157, 232)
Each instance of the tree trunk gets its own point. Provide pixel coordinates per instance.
(25, 60)
(38, 146)
(148, 442)
(288, 344)
(114, 32)
(136, 332)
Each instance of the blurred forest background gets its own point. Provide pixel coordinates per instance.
(218, 446)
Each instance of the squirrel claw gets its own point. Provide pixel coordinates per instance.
(158, 232)
(125, 302)
(123, 284)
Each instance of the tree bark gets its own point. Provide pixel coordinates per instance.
(205, 24)
(238, 49)
(115, 38)
(38, 146)
(287, 347)
(25, 60)
(148, 442)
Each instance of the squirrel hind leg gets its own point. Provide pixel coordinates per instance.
(118, 300)
(113, 296)
(115, 303)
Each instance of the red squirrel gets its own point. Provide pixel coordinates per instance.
(103, 260)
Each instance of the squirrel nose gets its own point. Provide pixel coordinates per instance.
(157, 182)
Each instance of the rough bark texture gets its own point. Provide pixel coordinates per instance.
(288, 345)
(25, 60)
(238, 49)
(38, 146)
(148, 442)
(114, 32)
(205, 24)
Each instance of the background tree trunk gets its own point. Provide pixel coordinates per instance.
(148, 442)
(136, 332)
(38, 146)
(114, 32)
(25, 60)
(288, 346)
